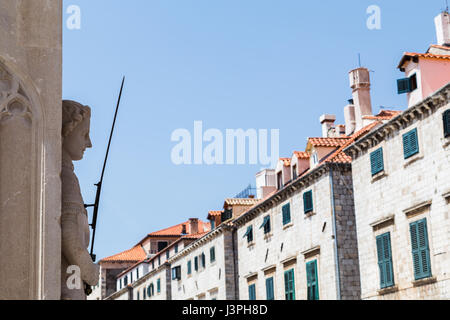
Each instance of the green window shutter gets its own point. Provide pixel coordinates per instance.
(312, 280)
(308, 202)
(249, 234)
(286, 213)
(203, 260)
(269, 289)
(189, 267)
(410, 144)
(266, 224)
(376, 161)
(384, 253)
(196, 263)
(420, 249)
(403, 85)
(289, 284)
(252, 292)
(158, 285)
(212, 253)
(447, 123)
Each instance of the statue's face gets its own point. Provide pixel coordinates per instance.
(78, 140)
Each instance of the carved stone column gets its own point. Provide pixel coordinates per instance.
(30, 148)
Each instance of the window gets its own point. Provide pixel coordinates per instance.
(286, 213)
(213, 224)
(176, 273)
(167, 254)
(447, 123)
(203, 260)
(308, 202)
(376, 161)
(249, 234)
(385, 260)
(144, 293)
(137, 273)
(420, 249)
(407, 85)
(266, 225)
(176, 248)
(138, 295)
(226, 214)
(153, 264)
(269, 289)
(212, 254)
(120, 283)
(158, 285)
(289, 285)
(131, 277)
(196, 263)
(125, 281)
(312, 280)
(150, 290)
(252, 292)
(410, 144)
(159, 260)
(189, 267)
(315, 158)
(294, 172)
(162, 245)
(280, 180)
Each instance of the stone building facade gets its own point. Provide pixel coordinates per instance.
(398, 194)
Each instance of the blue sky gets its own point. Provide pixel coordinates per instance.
(231, 64)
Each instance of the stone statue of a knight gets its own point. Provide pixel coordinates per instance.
(74, 220)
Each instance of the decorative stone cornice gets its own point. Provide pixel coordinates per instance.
(403, 120)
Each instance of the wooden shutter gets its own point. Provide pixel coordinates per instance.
(376, 161)
(189, 267)
(410, 144)
(446, 123)
(308, 202)
(269, 289)
(420, 249)
(286, 213)
(312, 280)
(212, 253)
(403, 85)
(252, 292)
(384, 252)
(289, 283)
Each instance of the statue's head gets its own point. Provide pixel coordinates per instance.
(75, 128)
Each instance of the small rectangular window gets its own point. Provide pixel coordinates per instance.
(249, 234)
(294, 172)
(252, 292)
(203, 260)
(269, 289)
(280, 180)
(158, 285)
(289, 284)
(447, 123)
(312, 280)
(376, 161)
(286, 214)
(384, 253)
(420, 249)
(196, 263)
(407, 85)
(410, 144)
(176, 273)
(308, 202)
(266, 224)
(176, 248)
(212, 254)
(189, 267)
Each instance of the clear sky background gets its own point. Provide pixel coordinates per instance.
(232, 64)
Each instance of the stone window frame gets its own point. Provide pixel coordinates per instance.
(384, 225)
(252, 279)
(414, 214)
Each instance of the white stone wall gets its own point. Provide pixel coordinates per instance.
(152, 278)
(285, 242)
(207, 283)
(425, 177)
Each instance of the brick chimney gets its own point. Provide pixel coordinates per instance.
(327, 122)
(193, 226)
(360, 84)
(442, 22)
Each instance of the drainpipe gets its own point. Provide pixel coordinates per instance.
(336, 254)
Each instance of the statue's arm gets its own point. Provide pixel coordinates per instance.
(73, 250)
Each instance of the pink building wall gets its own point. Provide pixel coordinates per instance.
(435, 75)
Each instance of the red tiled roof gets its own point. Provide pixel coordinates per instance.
(328, 142)
(302, 154)
(339, 156)
(241, 201)
(134, 254)
(214, 214)
(177, 229)
(384, 115)
(407, 55)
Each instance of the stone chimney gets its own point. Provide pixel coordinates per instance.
(360, 84)
(327, 122)
(349, 116)
(193, 226)
(442, 22)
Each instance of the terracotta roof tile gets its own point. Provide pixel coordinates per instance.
(384, 115)
(214, 214)
(242, 202)
(286, 161)
(302, 154)
(328, 142)
(407, 55)
(177, 229)
(134, 254)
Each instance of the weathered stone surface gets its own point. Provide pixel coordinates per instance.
(30, 148)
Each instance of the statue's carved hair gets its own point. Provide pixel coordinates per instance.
(73, 113)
